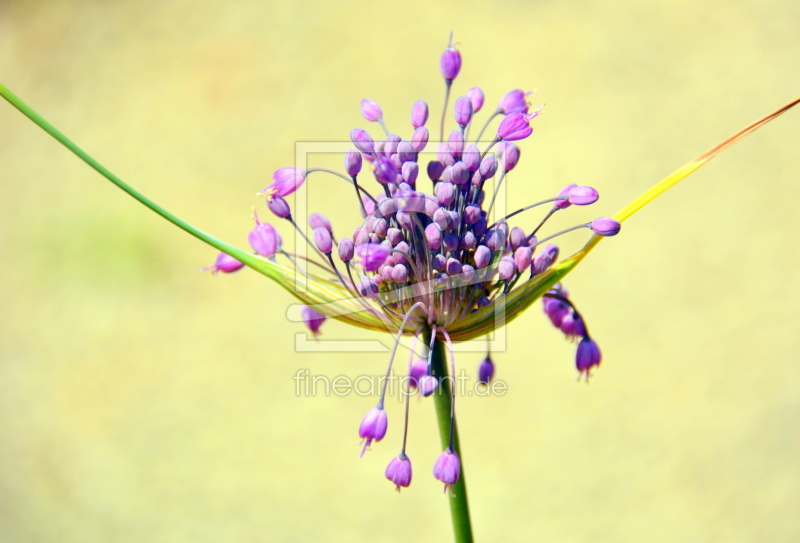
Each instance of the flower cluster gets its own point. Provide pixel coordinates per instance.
(424, 263)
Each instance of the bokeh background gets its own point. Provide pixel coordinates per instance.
(141, 400)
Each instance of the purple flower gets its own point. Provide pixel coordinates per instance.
(399, 471)
(285, 181)
(486, 371)
(322, 237)
(313, 319)
(435, 170)
(514, 127)
(556, 310)
(346, 250)
(263, 238)
(447, 468)
(316, 220)
(514, 101)
(419, 139)
(582, 196)
(587, 356)
(572, 326)
(418, 369)
(606, 226)
(371, 110)
(419, 113)
(450, 63)
(371, 255)
(225, 264)
(373, 426)
(522, 258)
(352, 162)
(279, 207)
(362, 140)
(564, 204)
(475, 95)
(384, 170)
(463, 110)
(544, 259)
(510, 157)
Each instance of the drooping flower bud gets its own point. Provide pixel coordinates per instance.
(514, 127)
(419, 113)
(313, 319)
(346, 250)
(427, 385)
(606, 226)
(419, 139)
(587, 356)
(463, 111)
(450, 63)
(435, 170)
(556, 310)
(475, 95)
(285, 181)
(582, 196)
(323, 240)
(510, 157)
(399, 471)
(371, 110)
(564, 204)
(544, 259)
(419, 368)
(572, 326)
(352, 162)
(371, 255)
(263, 239)
(362, 140)
(447, 468)
(225, 264)
(486, 371)
(279, 207)
(369, 287)
(514, 101)
(373, 426)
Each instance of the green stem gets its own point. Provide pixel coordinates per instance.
(244, 257)
(443, 400)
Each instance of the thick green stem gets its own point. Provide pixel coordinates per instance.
(443, 400)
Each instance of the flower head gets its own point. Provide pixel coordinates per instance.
(447, 468)
(285, 181)
(225, 264)
(399, 471)
(373, 427)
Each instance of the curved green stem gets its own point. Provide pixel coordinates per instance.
(442, 399)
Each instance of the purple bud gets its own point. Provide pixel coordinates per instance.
(463, 111)
(279, 207)
(510, 157)
(346, 250)
(399, 471)
(447, 468)
(427, 384)
(472, 214)
(435, 170)
(488, 167)
(263, 239)
(316, 220)
(467, 273)
(522, 258)
(583, 196)
(433, 235)
(369, 205)
(517, 238)
(400, 274)
(450, 241)
(564, 204)
(313, 319)
(606, 226)
(506, 268)
(394, 235)
(459, 174)
(445, 193)
(513, 102)
(361, 237)
(384, 170)
(323, 240)
(352, 162)
(453, 266)
(419, 113)
(369, 287)
(418, 369)
(399, 257)
(410, 171)
(450, 62)
(373, 238)
(285, 181)
(391, 144)
(406, 152)
(544, 259)
(486, 371)
(419, 139)
(225, 264)
(475, 95)
(556, 310)
(495, 240)
(482, 256)
(447, 174)
(467, 241)
(371, 255)
(439, 263)
(381, 227)
(572, 326)
(455, 143)
(370, 110)
(479, 228)
(472, 158)
(484, 301)
(362, 140)
(587, 356)
(386, 273)
(442, 218)
(373, 426)
(514, 127)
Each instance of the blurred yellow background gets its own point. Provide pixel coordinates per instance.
(141, 400)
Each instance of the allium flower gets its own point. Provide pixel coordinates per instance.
(435, 265)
